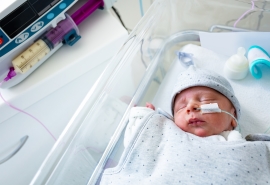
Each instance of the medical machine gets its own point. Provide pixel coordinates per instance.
(31, 31)
(141, 71)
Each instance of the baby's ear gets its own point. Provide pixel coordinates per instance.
(233, 122)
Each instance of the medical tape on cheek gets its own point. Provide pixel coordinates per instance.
(209, 108)
(213, 108)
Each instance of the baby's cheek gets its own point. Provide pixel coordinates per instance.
(179, 122)
(220, 122)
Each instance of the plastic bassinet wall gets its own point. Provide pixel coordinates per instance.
(92, 139)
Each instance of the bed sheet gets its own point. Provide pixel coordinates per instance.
(253, 94)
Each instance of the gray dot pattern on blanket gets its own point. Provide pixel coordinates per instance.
(161, 153)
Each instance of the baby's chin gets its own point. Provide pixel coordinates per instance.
(198, 131)
(201, 133)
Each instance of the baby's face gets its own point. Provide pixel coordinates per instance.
(189, 119)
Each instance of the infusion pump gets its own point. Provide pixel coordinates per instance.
(32, 30)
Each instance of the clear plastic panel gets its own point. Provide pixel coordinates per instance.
(133, 77)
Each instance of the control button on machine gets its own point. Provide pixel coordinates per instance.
(62, 6)
(22, 38)
(50, 16)
(37, 26)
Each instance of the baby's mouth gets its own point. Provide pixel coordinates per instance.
(195, 122)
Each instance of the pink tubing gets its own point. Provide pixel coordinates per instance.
(242, 16)
(26, 113)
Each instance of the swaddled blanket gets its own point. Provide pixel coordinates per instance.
(161, 153)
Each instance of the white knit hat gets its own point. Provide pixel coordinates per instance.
(200, 77)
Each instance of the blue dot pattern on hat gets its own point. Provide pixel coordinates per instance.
(200, 77)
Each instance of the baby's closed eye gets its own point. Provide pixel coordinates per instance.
(181, 107)
(207, 100)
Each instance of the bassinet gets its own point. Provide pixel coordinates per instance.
(93, 138)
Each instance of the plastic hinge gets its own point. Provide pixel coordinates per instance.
(71, 37)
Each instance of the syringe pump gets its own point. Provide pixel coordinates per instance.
(32, 30)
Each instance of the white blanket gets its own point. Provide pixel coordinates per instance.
(161, 153)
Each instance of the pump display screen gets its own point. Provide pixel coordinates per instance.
(24, 15)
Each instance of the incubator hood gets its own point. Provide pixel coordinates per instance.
(93, 139)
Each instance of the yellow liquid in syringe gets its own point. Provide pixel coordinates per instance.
(30, 56)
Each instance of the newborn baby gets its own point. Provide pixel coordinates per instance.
(196, 87)
(196, 145)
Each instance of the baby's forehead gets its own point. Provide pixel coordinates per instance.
(199, 90)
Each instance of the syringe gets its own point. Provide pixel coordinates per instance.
(66, 30)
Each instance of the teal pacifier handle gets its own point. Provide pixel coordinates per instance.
(263, 59)
(254, 69)
(260, 48)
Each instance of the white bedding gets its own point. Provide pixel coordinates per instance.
(158, 152)
(253, 94)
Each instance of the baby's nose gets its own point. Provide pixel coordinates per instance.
(192, 106)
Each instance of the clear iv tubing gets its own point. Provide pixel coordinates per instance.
(219, 110)
(233, 118)
(216, 109)
(25, 113)
(141, 8)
